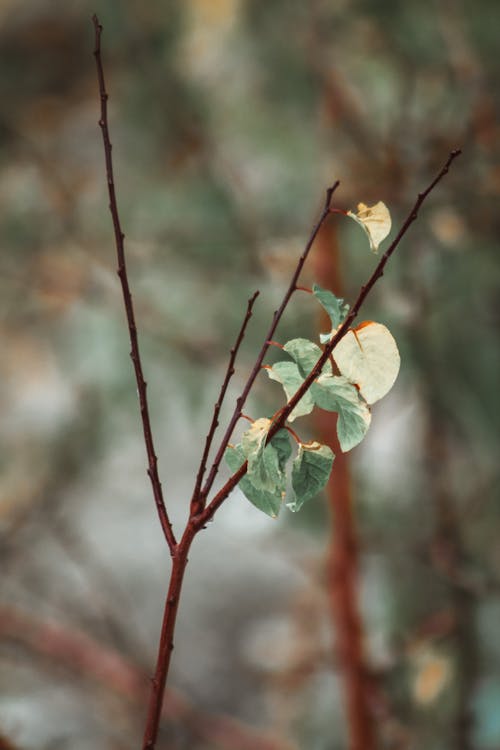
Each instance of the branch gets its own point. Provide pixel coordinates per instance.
(197, 503)
(283, 414)
(127, 298)
(342, 559)
(240, 402)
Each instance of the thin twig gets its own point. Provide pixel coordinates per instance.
(127, 298)
(197, 503)
(276, 319)
(279, 422)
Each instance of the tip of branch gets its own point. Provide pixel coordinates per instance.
(330, 191)
(97, 23)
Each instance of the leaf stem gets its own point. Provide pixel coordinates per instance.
(293, 434)
(275, 343)
(305, 288)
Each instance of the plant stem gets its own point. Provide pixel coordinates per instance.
(166, 644)
(127, 298)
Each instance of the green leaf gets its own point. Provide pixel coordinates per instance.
(336, 308)
(264, 470)
(306, 353)
(324, 338)
(288, 374)
(268, 502)
(281, 442)
(336, 393)
(310, 471)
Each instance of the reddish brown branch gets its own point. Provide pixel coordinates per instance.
(127, 298)
(269, 336)
(197, 502)
(343, 554)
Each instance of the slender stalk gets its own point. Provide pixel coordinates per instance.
(127, 298)
(197, 502)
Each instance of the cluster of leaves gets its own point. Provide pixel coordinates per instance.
(367, 361)
(265, 483)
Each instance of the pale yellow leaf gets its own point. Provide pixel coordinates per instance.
(253, 437)
(375, 220)
(368, 356)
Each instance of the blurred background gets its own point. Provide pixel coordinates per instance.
(371, 618)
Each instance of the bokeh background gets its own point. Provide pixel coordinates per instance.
(229, 118)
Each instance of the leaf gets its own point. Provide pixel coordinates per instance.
(268, 502)
(281, 442)
(375, 220)
(264, 470)
(334, 393)
(324, 338)
(369, 357)
(306, 353)
(253, 438)
(433, 674)
(310, 472)
(288, 374)
(336, 308)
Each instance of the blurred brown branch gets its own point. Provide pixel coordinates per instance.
(82, 656)
(6, 744)
(343, 553)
